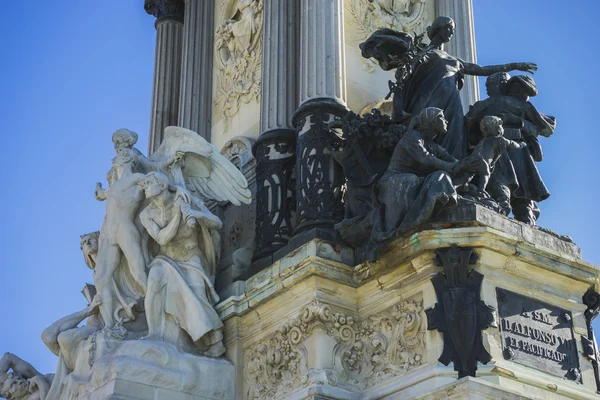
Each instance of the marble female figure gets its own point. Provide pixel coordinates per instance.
(180, 294)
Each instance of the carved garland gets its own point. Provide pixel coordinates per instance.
(409, 16)
(238, 46)
(375, 350)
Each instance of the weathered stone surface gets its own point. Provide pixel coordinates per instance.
(157, 370)
(304, 326)
(471, 214)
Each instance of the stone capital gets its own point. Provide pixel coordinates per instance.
(165, 9)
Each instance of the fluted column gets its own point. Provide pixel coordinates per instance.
(275, 149)
(319, 179)
(167, 66)
(195, 99)
(322, 58)
(462, 44)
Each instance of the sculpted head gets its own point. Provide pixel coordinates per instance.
(495, 84)
(89, 246)
(522, 86)
(491, 126)
(385, 45)
(442, 28)
(13, 386)
(124, 138)
(432, 123)
(155, 183)
(126, 158)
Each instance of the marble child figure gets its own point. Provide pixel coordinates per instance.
(491, 146)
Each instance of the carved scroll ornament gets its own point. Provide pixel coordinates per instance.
(368, 352)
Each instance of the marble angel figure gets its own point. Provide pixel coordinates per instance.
(180, 293)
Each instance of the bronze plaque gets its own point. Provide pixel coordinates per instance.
(538, 335)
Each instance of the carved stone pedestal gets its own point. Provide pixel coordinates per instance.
(140, 369)
(472, 288)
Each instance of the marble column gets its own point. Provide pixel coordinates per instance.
(195, 98)
(322, 86)
(275, 149)
(167, 66)
(462, 43)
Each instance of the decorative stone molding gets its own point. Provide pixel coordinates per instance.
(366, 16)
(238, 150)
(366, 353)
(460, 314)
(238, 45)
(165, 9)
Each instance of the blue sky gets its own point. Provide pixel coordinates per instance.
(74, 71)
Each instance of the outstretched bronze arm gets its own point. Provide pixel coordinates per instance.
(477, 70)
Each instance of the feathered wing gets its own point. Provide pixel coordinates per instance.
(206, 172)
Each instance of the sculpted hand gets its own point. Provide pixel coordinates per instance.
(178, 157)
(39, 384)
(98, 190)
(96, 302)
(528, 67)
(471, 164)
(33, 383)
(183, 194)
(187, 211)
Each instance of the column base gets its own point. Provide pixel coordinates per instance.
(275, 153)
(319, 178)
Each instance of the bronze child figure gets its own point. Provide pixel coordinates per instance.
(490, 148)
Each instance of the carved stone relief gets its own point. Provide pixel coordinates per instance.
(366, 16)
(238, 46)
(368, 352)
(238, 150)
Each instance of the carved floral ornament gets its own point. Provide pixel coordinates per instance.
(238, 45)
(367, 353)
(366, 16)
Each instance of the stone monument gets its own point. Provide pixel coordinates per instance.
(326, 211)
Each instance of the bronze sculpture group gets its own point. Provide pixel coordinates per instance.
(428, 154)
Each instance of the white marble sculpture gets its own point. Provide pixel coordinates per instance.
(150, 315)
(24, 382)
(180, 294)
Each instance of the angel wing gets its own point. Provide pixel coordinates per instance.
(205, 171)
